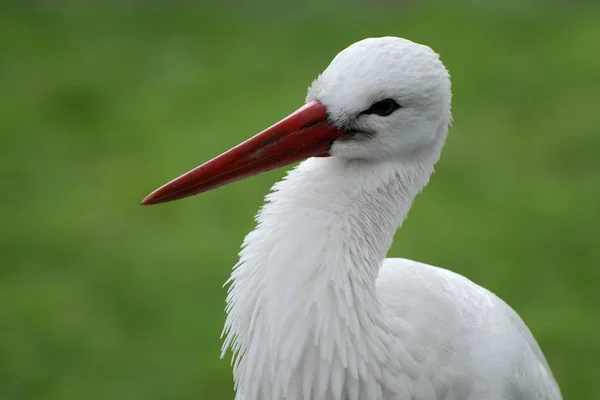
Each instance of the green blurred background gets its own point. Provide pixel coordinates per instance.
(102, 102)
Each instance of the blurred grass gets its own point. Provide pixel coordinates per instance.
(99, 104)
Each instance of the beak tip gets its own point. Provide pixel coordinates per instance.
(150, 200)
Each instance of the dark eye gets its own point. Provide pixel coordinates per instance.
(382, 108)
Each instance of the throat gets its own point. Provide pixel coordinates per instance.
(303, 313)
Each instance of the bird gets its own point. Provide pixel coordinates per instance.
(315, 310)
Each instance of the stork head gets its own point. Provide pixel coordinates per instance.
(378, 99)
(389, 95)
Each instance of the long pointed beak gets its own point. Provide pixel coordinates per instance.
(303, 134)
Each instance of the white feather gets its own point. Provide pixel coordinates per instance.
(315, 311)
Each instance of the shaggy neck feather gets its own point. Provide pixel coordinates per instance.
(303, 313)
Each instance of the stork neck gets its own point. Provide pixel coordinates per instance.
(304, 287)
(336, 216)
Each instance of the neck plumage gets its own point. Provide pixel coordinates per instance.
(304, 318)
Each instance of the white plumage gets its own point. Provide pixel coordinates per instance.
(316, 311)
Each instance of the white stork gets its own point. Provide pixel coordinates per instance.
(315, 310)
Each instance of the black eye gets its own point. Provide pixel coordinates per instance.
(383, 108)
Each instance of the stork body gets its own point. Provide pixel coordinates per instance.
(315, 310)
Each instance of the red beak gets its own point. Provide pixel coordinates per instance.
(303, 134)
